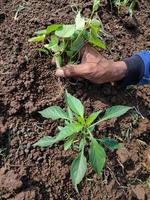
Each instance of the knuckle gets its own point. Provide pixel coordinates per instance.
(90, 68)
(67, 71)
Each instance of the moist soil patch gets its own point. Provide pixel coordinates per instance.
(28, 84)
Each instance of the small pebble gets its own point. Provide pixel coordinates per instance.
(26, 151)
(40, 159)
(21, 153)
(30, 156)
(28, 146)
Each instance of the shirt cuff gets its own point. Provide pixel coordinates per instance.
(135, 71)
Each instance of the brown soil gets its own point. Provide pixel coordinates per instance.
(28, 84)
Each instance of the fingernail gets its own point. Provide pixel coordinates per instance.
(60, 73)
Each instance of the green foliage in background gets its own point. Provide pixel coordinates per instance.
(129, 4)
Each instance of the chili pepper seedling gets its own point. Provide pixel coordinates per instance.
(78, 131)
(65, 41)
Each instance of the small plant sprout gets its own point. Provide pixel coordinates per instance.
(129, 4)
(18, 10)
(77, 132)
(65, 41)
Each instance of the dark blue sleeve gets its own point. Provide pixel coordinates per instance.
(145, 56)
(138, 69)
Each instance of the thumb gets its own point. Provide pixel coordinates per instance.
(70, 71)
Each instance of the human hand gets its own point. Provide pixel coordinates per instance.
(94, 67)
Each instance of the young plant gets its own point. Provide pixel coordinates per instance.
(65, 41)
(78, 132)
(18, 10)
(129, 4)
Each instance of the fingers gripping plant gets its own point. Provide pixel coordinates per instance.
(77, 131)
(65, 41)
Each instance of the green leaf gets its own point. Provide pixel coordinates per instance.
(68, 144)
(53, 44)
(92, 117)
(64, 133)
(97, 156)
(66, 31)
(46, 141)
(52, 28)
(111, 144)
(67, 122)
(43, 50)
(82, 144)
(115, 111)
(40, 38)
(70, 114)
(80, 119)
(54, 40)
(48, 30)
(69, 53)
(48, 47)
(96, 4)
(55, 48)
(74, 104)
(78, 169)
(54, 112)
(80, 22)
(77, 44)
(86, 35)
(92, 128)
(93, 39)
(95, 25)
(68, 130)
(41, 32)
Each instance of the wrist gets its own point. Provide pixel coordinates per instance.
(120, 70)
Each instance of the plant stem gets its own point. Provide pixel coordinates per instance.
(58, 60)
(138, 112)
(90, 134)
(95, 123)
